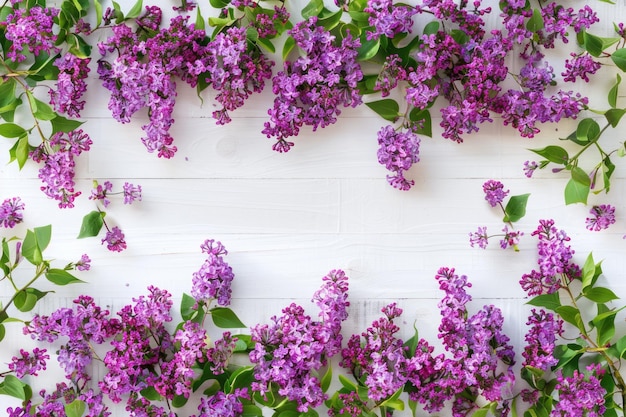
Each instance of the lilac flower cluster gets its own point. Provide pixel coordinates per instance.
(30, 30)
(101, 192)
(83, 325)
(53, 404)
(289, 353)
(541, 340)
(222, 404)
(70, 85)
(398, 151)
(555, 261)
(233, 70)
(494, 192)
(115, 239)
(311, 89)
(581, 394)
(58, 157)
(11, 212)
(213, 280)
(29, 363)
(388, 19)
(143, 73)
(602, 216)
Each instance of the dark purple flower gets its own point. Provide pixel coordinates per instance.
(11, 212)
(602, 216)
(29, 363)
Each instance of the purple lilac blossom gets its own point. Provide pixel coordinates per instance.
(494, 192)
(114, 239)
(541, 340)
(140, 344)
(53, 404)
(84, 264)
(479, 238)
(332, 300)
(70, 85)
(390, 74)
(554, 260)
(30, 30)
(219, 355)
(29, 363)
(529, 168)
(580, 66)
(100, 192)
(580, 395)
(398, 151)
(11, 212)
(232, 68)
(511, 238)
(222, 404)
(377, 357)
(57, 155)
(601, 217)
(388, 19)
(213, 280)
(289, 352)
(131, 193)
(310, 90)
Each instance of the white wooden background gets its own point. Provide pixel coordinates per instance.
(287, 219)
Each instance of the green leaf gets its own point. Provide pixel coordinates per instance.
(587, 130)
(588, 272)
(605, 326)
(151, 394)
(620, 345)
(431, 27)
(179, 401)
(7, 92)
(600, 295)
(313, 8)
(3, 332)
(24, 301)
(412, 342)
(13, 387)
(368, 48)
(612, 96)
(21, 151)
(251, 410)
(331, 21)
(225, 318)
(219, 4)
(187, 307)
(98, 6)
(62, 124)
(267, 44)
(349, 385)
(75, 409)
(388, 108)
(61, 277)
(11, 130)
(554, 154)
(575, 192)
(481, 412)
(290, 43)
(43, 234)
(327, 379)
(613, 116)
(571, 315)
(92, 224)
(619, 58)
(568, 356)
(549, 301)
(41, 110)
(516, 208)
(423, 117)
(241, 378)
(135, 11)
(200, 22)
(30, 248)
(535, 23)
(595, 45)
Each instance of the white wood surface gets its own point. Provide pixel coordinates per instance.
(287, 219)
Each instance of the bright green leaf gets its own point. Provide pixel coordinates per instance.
(613, 116)
(151, 394)
(200, 22)
(422, 117)
(431, 27)
(91, 225)
(331, 21)
(219, 4)
(549, 301)
(61, 277)
(11, 130)
(368, 48)
(327, 379)
(42, 111)
(612, 96)
(225, 318)
(535, 23)
(595, 45)
(588, 272)
(619, 58)
(290, 43)
(388, 108)
(30, 248)
(135, 11)
(313, 8)
(25, 301)
(75, 409)
(600, 295)
(569, 314)
(587, 130)
(553, 153)
(3, 332)
(187, 307)
(13, 387)
(575, 192)
(62, 124)
(22, 150)
(267, 44)
(515, 208)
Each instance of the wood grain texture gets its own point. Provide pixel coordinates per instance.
(288, 219)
